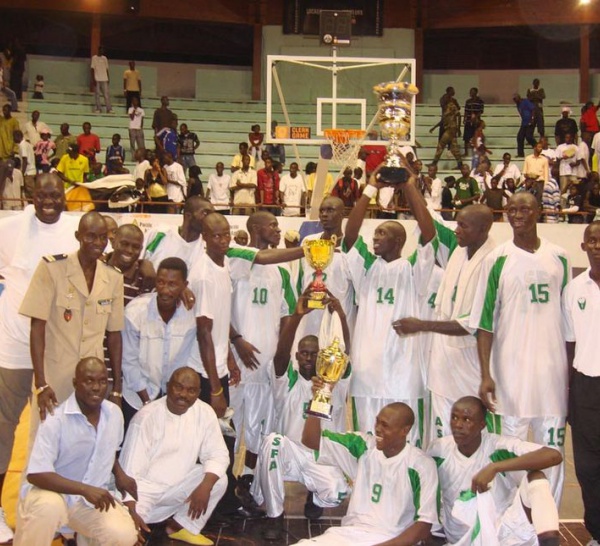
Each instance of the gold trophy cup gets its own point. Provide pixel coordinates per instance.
(394, 115)
(331, 366)
(319, 254)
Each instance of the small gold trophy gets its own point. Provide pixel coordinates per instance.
(319, 254)
(331, 365)
(394, 115)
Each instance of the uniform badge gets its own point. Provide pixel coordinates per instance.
(581, 302)
(68, 315)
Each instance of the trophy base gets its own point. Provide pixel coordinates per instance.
(316, 300)
(320, 409)
(393, 175)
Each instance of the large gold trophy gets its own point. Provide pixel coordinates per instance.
(319, 254)
(331, 366)
(394, 115)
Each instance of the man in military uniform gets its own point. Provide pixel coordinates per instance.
(451, 123)
(72, 301)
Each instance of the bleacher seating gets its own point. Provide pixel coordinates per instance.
(221, 125)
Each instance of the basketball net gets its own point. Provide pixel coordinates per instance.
(345, 145)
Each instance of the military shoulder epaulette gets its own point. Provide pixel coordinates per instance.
(55, 257)
(112, 267)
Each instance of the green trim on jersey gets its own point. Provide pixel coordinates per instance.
(355, 425)
(439, 461)
(421, 418)
(415, 485)
(446, 237)
(242, 253)
(565, 265)
(292, 375)
(288, 291)
(363, 250)
(347, 372)
(466, 495)
(354, 443)
(412, 259)
(493, 423)
(155, 242)
(491, 293)
(502, 455)
(300, 281)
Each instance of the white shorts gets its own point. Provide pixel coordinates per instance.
(252, 404)
(365, 410)
(441, 409)
(347, 535)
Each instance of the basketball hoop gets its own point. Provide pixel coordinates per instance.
(345, 144)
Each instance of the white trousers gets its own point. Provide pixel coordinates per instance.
(253, 413)
(42, 513)
(155, 504)
(347, 535)
(283, 460)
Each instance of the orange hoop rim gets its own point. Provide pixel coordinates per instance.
(343, 136)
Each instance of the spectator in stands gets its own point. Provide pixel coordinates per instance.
(27, 156)
(141, 166)
(136, 125)
(589, 120)
(311, 180)
(8, 126)
(255, 141)
(537, 165)
(448, 192)
(194, 186)
(115, 156)
(64, 140)
(346, 188)
(591, 203)
(574, 205)
(567, 158)
(547, 152)
(95, 172)
(374, 154)
(241, 237)
(526, 110)
(536, 94)
(13, 185)
(176, 182)
(188, 144)
(267, 180)
(432, 188)
(483, 175)
(243, 187)
(163, 117)
(132, 86)
(582, 169)
(38, 87)
(451, 123)
(507, 169)
(492, 197)
(7, 91)
(34, 128)
(276, 151)
(474, 107)
(155, 185)
(564, 125)
(445, 99)
(551, 197)
(292, 191)
(530, 186)
(73, 167)
(596, 151)
(100, 77)
(167, 142)
(44, 150)
(236, 162)
(260, 164)
(467, 189)
(88, 142)
(217, 189)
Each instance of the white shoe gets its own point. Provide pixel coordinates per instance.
(593, 543)
(6, 534)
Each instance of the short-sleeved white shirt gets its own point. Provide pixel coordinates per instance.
(100, 67)
(456, 471)
(136, 122)
(389, 494)
(581, 313)
(165, 242)
(518, 298)
(567, 153)
(292, 189)
(219, 190)
(386, 365)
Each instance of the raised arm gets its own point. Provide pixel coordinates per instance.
(418, 207)
(357, 215)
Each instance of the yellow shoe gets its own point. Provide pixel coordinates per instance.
(186, 536)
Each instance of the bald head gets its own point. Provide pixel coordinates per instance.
(402, 414)
(88, 364)
(214, 221)
(480, 215)
(196, 202)
(259, 218)
(522, 198)
(474, 404)
(49, 179)
(130, 230)
(91, 219)
(332, 201)
(186, 373)
(396, 229)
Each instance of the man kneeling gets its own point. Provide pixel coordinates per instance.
(163, 445)
(519, 508)
(395, 484)
(70, 465)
